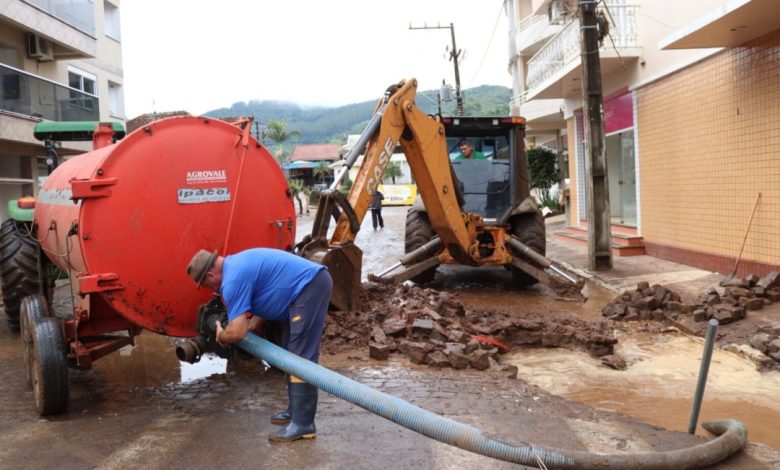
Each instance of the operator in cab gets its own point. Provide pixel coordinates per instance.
(467, 151)
(267, 284)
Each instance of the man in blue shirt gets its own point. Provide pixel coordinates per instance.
(267, 284)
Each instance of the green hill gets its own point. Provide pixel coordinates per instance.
(321, 125)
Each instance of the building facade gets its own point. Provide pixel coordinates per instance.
(691, 108)
(60, 60)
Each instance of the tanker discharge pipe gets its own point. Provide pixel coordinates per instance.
(731, 434)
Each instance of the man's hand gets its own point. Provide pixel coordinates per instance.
(218, 325)
(234, 331)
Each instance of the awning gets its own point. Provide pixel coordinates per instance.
(301, 165)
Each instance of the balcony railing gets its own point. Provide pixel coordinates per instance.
(77, 13)
(24, 93)
(533, 29)
(564, 47)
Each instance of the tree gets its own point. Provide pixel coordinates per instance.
(543, 169)
(321, 171)
(296, 188)
(393, 171)
(277, 131)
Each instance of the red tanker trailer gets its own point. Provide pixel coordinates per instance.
(124, 220)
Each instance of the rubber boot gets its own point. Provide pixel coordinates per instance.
(303, 407)
(282, 417)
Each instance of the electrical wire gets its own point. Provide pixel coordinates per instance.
(614, 47)
(487, 48)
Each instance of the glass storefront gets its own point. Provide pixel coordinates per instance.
(621, 163)
(622, 177)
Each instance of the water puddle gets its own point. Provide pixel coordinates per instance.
(492, 288)
(659, 384)
(152, 362)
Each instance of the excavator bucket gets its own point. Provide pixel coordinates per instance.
(345, 264)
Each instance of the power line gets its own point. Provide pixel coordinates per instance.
(490, 42)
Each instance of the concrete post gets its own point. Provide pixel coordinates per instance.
(596, 182)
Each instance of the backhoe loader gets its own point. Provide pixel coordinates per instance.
(473, 212)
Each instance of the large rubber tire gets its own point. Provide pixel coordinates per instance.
(529, 229)
(18, 269)
(50, 368)
(34, 308)
(419, 232)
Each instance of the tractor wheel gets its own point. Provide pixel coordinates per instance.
(49, 368)
(34, 308)
(529, 229)
(18, 268)
(418, 232)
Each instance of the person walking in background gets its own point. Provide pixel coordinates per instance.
(376, 209)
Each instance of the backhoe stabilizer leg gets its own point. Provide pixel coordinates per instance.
(408, 272)
(425, 252)
(563, 288)
(520, 248)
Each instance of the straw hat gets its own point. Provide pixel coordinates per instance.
(200, 265)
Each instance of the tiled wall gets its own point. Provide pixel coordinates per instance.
(709, 141)
(573, 186)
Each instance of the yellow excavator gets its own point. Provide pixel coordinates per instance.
(473, 211)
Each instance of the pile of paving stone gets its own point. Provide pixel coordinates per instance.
(767, 340)
(657, 302)
(739, 296)
(434, 328)
(644, 303)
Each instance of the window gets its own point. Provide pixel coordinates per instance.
(111, 20)
(79, 80)
(116, 100)
(9, 55)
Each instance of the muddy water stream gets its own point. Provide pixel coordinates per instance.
(659, 384)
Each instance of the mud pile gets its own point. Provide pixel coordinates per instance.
(435, 328)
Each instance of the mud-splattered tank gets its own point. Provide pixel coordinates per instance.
(125, 219)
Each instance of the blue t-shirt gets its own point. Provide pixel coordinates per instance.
(264, 281)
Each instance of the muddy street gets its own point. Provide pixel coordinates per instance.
(663, 364)
(141, 407)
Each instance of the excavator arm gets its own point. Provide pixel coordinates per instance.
(423, 141)
(396, 121)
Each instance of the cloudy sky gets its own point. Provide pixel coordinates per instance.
(198, 55)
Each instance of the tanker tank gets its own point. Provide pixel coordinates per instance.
(123, 222)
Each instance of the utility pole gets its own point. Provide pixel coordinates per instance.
(454, 57)
(596, 182)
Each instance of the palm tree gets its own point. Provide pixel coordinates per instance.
(321, 171)
(393, 171)
(277, 131)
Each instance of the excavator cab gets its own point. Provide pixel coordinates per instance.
(490, 171)
(486, 178)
